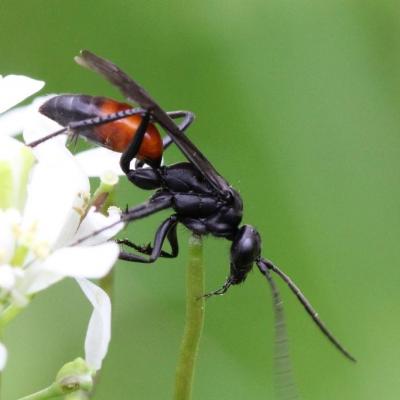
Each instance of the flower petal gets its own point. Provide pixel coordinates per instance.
(16, 161)
(77, 262)
(8, 276)
(3, 356)
(12, 122)
(99, 329)
(95, 221)
(38, 126)
(15, 88)
(9, 219)
(57, 198)
(95, 161)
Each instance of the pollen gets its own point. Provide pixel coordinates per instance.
(41, 250)
(26, 236)
(17, 231)
(85, 198)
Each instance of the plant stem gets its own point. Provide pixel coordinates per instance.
(47, 393)
(51, 392)
(1, 374)
(8, 315)
(194, 320)
(79, 395)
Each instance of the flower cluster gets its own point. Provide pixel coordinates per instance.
(45, 206)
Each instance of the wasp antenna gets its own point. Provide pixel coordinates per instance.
(285, 383)
(45, 138)
(309, 308)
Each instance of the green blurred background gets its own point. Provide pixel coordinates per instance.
(297, 104)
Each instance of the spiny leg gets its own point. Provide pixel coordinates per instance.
(167, 230)
(152, 206)
(144, 249)
(188, 118)
(130, 153)
(219, 292)
(148, 249)
(74, 126)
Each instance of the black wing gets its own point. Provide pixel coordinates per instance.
(134, 92)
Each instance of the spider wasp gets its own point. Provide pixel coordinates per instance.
(201, 199)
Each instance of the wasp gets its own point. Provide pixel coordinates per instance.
(199, 197)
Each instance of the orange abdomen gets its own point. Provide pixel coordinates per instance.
(115, 135)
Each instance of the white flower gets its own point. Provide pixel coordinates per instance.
(3, 356)
(34, 251)
(15, 88)
(99, 330)
(44, 207)
(94, 162)
(99, 160)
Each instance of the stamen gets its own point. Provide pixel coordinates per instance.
(41, 250)
(85, 197)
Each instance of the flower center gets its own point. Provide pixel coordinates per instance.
(27, 242)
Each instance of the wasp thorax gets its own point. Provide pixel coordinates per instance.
(145, 178)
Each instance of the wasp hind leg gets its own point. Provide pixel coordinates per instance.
(188, 118)
(167, 230)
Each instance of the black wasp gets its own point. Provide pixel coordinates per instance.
(200, 197)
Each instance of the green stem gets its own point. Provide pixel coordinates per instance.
(1, 374)
(48, 393)
(52, 391)
(8, 315)
(79, 395)
(194, 321)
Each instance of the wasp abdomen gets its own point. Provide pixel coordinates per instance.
(115, 135)
(67, 108)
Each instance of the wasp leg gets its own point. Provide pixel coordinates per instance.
(129, 154)
(188, 118)
(150, 207)
(160, 201)
(144, 249)
(167, 230)
(219, 292)
(74, 126)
